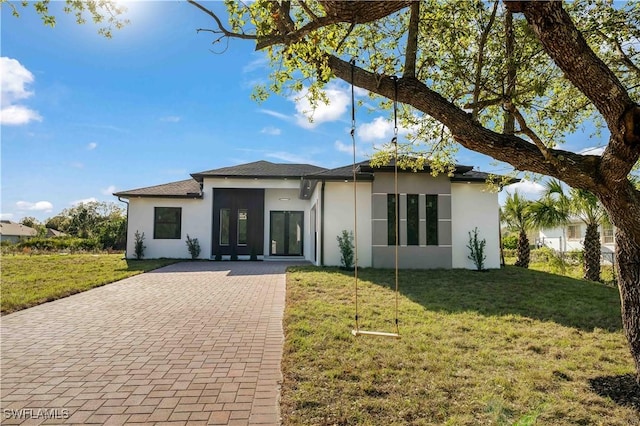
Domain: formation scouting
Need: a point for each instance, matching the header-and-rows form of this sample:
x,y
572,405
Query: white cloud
x,y
109,190
45,206
258,63
592,150
84,201
91,146
530,190
343,147
171,119
288,157
6,216
276,114
16,115
338,101
270,130
380,130
14,79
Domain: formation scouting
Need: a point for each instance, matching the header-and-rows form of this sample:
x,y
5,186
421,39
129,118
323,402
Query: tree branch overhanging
x,y
221,29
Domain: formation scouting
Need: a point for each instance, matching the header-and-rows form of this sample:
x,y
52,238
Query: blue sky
x,y
84,116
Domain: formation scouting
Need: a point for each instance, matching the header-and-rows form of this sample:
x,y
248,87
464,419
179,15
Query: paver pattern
x,y
191,343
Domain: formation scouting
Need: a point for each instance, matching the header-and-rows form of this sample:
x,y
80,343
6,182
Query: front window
x,y
432,220
167,223
413,220
607,234
573,232
224,226
392,211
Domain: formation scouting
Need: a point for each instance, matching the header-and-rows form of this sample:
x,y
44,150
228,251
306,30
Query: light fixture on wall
x,y
284,199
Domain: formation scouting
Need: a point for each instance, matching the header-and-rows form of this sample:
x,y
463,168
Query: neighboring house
x,y
296,211
51,233
14,232
571,237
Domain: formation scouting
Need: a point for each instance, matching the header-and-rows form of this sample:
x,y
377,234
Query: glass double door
x,y
287,230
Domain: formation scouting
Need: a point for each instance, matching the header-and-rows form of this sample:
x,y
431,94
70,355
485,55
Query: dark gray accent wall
x,y
411,257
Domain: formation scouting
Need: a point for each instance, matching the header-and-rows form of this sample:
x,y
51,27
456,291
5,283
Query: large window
x,y
167,223
432,220
224,226
242,227
413,220
392,211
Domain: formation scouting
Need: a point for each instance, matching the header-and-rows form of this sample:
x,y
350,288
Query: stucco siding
x,y
338,211
474,205
195,221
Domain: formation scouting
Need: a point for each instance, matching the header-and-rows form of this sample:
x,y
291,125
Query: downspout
x,y
322,223
126,234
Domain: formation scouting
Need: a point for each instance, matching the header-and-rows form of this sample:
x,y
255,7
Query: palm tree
x,y
553,209
517,216
586,206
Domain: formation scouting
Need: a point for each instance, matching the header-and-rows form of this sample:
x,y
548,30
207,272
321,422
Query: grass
x,y
504,347
31,280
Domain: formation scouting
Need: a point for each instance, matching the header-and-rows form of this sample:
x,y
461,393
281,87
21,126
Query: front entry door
x,y
287,230
238,221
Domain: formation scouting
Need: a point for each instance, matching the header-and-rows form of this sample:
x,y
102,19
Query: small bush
x,y
194,247
254,254
510,242
218,256
234,255
345,243
543,254
139,245
476,247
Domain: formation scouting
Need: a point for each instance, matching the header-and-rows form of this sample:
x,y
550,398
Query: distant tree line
x,y
103,225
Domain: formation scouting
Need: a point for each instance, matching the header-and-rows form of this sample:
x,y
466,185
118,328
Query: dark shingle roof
x,y
261,169
182,189
340,173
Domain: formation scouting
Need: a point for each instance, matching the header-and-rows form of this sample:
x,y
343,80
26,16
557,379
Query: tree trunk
x,y
524,251
592,253
628,260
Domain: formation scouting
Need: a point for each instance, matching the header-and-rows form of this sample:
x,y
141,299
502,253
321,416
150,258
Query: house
x,y
53,233
296,211
571,237
15,232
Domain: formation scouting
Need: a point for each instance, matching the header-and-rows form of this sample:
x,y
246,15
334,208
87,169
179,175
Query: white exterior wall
x,y
287,200
338,215
473,204
196,221
556,238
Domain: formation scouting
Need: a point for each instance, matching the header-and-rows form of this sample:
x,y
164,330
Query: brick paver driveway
x,y
191,343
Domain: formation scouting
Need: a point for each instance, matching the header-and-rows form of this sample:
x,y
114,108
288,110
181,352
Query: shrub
x,y
254,254
510,242
218,256
71,244
234,255
139,246
543,255
345,243
476,247
194,247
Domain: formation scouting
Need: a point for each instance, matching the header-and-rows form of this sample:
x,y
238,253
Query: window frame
x,y
413,219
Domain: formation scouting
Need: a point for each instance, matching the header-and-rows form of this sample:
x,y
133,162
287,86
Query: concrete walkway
x,y
191,343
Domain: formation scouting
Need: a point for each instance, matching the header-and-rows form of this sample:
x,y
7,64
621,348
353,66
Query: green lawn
x,y
504,347
31,280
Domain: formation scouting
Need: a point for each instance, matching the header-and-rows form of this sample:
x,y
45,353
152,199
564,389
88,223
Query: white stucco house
x,y
571,237
296,211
